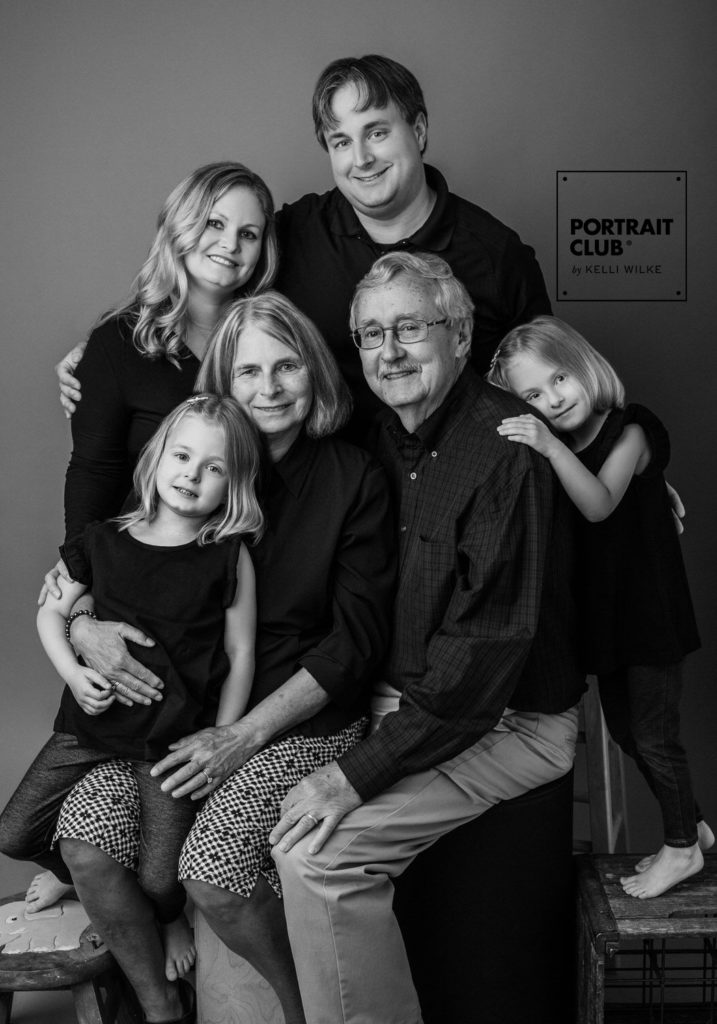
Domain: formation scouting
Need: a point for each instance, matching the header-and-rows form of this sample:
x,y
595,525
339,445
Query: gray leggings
x,y
27,825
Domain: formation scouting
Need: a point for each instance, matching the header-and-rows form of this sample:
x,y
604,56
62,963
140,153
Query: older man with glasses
x,y
478,700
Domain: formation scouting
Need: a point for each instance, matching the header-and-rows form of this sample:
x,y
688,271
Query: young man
x,y
370,116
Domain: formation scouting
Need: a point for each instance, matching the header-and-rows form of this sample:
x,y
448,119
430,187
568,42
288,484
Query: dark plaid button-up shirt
x,y
483,617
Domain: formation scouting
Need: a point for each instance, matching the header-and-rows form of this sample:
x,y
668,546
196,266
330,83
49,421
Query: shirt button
x,y
403,529
434,454
412,476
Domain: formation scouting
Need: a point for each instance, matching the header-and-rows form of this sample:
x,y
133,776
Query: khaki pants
x,y
347,946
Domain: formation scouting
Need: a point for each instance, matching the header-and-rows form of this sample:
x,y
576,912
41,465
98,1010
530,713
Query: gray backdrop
x,y
108,104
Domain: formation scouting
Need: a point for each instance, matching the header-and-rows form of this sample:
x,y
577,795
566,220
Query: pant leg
x,y
654,693
165,823
348,949
27,823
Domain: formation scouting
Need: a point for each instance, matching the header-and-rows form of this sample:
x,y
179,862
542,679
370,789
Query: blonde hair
x,y
560,344
280,319
157,308
240,512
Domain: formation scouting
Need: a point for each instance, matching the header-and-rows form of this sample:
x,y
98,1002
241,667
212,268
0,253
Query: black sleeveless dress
x,y
636,605
176,595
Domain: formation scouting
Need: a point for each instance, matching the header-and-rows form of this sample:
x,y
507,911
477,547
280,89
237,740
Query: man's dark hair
x,y
378,80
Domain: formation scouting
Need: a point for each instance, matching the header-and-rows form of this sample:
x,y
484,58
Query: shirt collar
x,y
434,234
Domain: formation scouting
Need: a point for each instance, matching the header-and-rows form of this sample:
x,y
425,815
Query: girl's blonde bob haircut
x,y
157,308
281,320
560,344
240,513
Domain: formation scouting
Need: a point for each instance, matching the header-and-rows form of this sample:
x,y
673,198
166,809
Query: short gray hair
x,y
450,296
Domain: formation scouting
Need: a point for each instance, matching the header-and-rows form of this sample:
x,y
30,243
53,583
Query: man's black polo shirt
x,y
325,251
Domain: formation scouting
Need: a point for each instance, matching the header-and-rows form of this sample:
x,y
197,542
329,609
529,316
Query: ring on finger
x,y
207,776
312,818
113,685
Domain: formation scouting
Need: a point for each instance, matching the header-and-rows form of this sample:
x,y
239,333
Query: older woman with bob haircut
x,y
324,576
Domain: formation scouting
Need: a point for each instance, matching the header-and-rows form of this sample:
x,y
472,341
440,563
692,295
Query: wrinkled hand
x,y
102,645
70,387
50,585
321,799
678,509
208,754
92,691
528,429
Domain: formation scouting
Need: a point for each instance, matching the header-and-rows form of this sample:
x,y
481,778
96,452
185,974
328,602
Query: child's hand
x,y
528,429
92,691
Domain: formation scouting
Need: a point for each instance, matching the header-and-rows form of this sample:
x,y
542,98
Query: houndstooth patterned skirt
x,y
228,845
103,810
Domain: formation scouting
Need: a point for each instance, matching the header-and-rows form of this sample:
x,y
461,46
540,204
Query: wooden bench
x,y
610,922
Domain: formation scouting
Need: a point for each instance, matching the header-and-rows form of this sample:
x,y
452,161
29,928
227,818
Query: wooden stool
x,y
608,920
89,970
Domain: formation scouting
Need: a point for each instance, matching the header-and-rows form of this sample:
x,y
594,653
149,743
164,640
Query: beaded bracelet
x,y
71,618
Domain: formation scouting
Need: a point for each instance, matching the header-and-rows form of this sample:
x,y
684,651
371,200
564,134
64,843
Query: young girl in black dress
x,y
176,568
638,621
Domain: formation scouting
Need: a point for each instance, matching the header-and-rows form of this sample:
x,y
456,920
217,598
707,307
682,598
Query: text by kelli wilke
x,y
616,268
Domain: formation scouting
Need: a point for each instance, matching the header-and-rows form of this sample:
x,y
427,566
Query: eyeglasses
x,y
406,331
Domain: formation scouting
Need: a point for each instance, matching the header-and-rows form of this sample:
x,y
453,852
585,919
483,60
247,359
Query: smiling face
x,y
271,383
375,155
229,248
412,379
192,473
559,395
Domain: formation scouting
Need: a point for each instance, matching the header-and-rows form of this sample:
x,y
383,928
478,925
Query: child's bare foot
x,y
44,891
672,864
705,841
705,836
179,949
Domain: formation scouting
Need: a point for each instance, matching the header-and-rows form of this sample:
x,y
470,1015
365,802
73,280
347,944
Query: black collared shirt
x,y
325,571
325,251
484,616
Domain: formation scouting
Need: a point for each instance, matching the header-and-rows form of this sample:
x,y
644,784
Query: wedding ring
x,y
207,776
315,820
113,685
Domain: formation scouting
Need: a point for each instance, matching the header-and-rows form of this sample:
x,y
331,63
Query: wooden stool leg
x,y
88,1003
5,1007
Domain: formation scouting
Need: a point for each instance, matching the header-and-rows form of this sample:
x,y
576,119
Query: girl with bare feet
x,y
176,567
638,621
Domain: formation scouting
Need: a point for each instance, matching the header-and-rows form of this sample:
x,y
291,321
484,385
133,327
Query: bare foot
x,y
179,948
705,841
44,891
705,836
672,864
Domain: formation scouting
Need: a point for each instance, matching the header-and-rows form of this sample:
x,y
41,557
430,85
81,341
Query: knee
x,y
12,843
296,868
86,862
